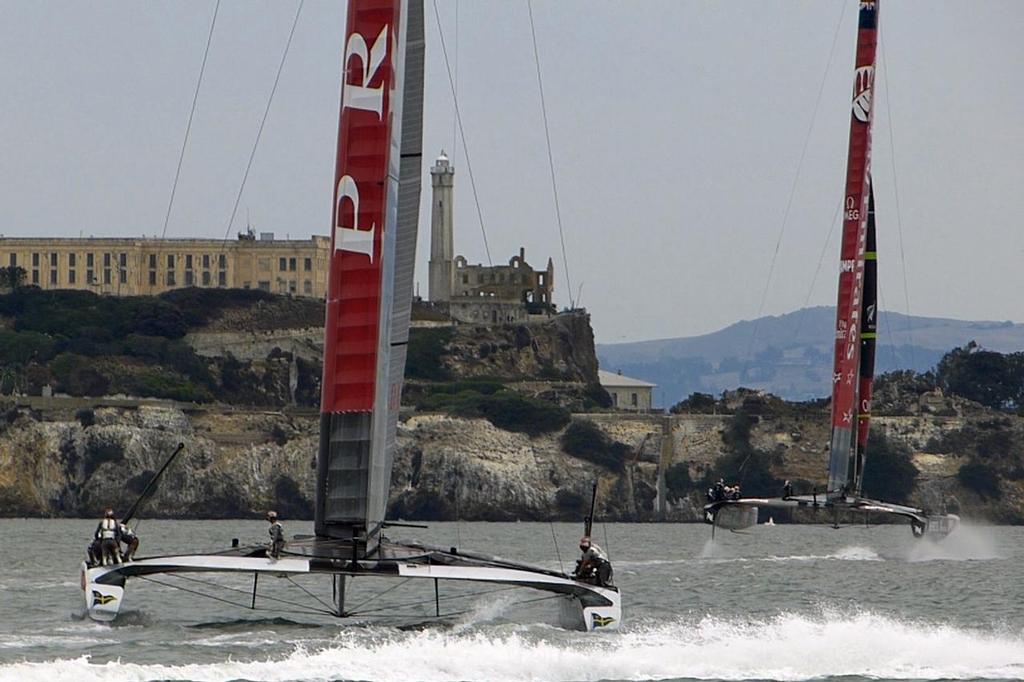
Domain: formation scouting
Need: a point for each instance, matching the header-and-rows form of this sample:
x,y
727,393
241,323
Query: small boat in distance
x,y
855,335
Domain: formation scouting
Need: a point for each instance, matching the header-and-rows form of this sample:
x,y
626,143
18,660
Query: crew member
x,y
593,566
130,539
107,534
276,532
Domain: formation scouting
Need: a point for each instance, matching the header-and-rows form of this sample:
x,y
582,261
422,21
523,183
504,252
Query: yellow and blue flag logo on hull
x,y
100,599
602,621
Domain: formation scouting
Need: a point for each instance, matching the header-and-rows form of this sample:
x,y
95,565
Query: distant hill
x,y
791,355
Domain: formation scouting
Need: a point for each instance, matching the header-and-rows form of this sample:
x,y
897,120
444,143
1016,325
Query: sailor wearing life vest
x,y
276,532
107,534
593,566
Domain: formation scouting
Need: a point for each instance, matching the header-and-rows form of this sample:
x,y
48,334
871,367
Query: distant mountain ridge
x,y
791,355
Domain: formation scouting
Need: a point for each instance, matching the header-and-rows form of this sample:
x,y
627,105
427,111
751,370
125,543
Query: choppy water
x,y
779,603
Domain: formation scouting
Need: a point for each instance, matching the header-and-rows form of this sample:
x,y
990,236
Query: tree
x,y
12,276
889,472
992,379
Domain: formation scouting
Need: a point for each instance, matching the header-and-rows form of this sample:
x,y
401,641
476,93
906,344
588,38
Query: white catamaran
x,y
376,207
855,334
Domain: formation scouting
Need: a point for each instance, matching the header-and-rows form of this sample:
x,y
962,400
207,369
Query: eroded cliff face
x,y
239,464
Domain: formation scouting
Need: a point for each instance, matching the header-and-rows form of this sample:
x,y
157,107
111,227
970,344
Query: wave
x,y
712,554
786,647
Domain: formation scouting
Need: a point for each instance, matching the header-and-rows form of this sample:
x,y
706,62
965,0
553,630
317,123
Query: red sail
x,y
360,199
846,367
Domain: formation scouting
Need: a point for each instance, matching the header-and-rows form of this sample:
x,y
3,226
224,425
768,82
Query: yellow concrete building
x,y
133,267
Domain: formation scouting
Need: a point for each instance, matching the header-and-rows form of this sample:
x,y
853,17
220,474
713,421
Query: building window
x,y
89,276
71,276
188,278
170,261
35,260
292,264
123,260
264,286
106,275
615,399
152,278
540,279
53,260
282,264
632,399
188,262
307,288
72,260
206,279
246,285
222,279
480,278
264,264
222,262
14,260
307,264
124,276
170,277
152,261
53,276
291,287
35,277
89,260
106,260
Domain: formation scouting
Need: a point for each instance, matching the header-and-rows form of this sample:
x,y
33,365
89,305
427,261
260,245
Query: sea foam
x,y
786,647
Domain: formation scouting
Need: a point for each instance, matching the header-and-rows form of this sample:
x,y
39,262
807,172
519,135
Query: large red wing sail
x,y
846,366
361,186
376,195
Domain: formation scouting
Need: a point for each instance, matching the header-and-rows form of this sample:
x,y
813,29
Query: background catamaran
x,y
376,207
856,332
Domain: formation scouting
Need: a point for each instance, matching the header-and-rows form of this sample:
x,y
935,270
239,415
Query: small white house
x,y
627,393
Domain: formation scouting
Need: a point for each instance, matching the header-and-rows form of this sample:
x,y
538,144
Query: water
x,y
777,603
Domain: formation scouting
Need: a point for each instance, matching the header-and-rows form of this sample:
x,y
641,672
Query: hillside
x,y
792,353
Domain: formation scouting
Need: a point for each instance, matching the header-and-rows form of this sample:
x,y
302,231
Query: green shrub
x,y
427,347
595,395
583,439
980,478
515,412
678,481
20,348
696,403
889,472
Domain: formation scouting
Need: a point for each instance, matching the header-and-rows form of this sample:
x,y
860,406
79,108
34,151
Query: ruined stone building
x,y
479,293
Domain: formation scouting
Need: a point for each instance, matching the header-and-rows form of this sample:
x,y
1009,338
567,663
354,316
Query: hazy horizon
x,y
676,128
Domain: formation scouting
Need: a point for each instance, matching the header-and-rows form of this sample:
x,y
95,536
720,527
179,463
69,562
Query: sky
x,y
698,170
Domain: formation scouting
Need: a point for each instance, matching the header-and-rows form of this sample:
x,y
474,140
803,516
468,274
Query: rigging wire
x,y
462,133
792,191
299,608
191,114
378,595
555,541
817,270
896,192
551,159
266,112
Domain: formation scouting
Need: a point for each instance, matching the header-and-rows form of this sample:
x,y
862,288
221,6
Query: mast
x,y
868,336
846,368
369,292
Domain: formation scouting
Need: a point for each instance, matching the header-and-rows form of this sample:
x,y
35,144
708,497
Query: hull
x,y
583,606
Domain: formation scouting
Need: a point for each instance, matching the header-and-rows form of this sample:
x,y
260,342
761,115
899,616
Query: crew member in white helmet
x,y
107,534
593,566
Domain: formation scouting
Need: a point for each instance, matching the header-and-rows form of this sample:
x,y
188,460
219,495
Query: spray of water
x,y
966,543
786,647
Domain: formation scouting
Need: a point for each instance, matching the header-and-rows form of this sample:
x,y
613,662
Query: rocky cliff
x,y
56,462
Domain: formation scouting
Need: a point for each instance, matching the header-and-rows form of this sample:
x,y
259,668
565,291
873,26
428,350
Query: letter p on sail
x,y
352,238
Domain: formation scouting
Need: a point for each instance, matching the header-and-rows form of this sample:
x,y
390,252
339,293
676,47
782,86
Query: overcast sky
x,y
677,129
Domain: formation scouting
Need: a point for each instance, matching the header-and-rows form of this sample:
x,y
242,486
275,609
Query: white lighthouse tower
x,y
442,249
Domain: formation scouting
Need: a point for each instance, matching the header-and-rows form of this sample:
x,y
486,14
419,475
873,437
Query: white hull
x,y
584,606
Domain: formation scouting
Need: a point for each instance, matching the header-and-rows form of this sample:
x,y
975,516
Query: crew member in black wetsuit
x,y
593,566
